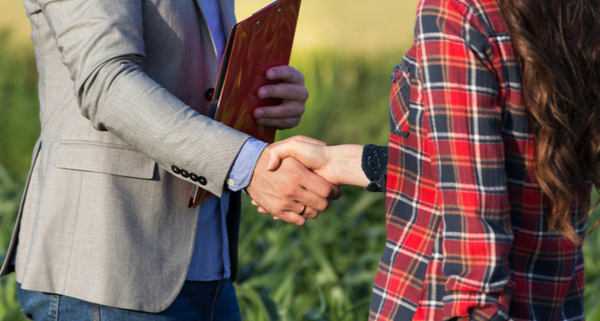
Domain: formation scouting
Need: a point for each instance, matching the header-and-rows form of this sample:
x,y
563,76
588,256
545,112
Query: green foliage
x,y
321,271
19,105
591,248
19,128
325,269
349,97
10,196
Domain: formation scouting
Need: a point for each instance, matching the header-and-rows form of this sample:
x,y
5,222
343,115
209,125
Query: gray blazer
x,y
104,216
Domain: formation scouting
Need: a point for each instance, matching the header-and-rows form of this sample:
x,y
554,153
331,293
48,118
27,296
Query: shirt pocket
x,y
400,101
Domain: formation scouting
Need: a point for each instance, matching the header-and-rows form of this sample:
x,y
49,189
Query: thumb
x,y
310,140
277,154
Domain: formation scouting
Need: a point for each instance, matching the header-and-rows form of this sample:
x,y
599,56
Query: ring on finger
x,y
302,211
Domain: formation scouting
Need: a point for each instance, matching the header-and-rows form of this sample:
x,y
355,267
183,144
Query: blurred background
x,y
325,269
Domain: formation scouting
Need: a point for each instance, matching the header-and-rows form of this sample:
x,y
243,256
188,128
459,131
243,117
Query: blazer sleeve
x,y
102,45
464,123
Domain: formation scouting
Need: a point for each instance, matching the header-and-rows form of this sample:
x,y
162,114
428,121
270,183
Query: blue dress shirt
x,y
210,260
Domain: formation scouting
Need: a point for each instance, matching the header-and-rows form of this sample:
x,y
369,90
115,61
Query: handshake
x,y
297,178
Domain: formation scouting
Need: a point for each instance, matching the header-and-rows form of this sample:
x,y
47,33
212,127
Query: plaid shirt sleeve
x,y
462,124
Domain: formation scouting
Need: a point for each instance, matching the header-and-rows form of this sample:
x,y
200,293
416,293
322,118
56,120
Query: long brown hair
x,y
558,42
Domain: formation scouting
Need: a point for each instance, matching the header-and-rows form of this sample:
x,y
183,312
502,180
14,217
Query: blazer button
x,y
176,169
194,177
202,180
208,94
185,173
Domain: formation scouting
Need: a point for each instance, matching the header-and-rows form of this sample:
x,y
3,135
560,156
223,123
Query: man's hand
x,y
293,93
284,192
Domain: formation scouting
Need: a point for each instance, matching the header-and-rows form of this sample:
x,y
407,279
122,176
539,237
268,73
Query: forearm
x,y
135,108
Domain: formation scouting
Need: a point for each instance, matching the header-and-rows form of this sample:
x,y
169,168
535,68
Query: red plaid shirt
x,y
467,237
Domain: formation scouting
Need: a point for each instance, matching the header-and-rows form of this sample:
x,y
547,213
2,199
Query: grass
x,y
19,105
321,271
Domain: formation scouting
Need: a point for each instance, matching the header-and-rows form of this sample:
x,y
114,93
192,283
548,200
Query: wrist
x,y
346,162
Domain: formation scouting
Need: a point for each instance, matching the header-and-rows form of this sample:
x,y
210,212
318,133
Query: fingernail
x,y
262,93
258,113
270,74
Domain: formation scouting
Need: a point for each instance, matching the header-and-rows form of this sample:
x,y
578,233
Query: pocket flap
x,y
400,101
119,160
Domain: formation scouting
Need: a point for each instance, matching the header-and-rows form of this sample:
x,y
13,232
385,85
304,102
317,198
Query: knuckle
x,y
324,191
304,94
288,191
311,214
288,73
297,177
322,206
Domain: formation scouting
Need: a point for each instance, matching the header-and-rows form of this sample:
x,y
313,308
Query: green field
x,y
325,269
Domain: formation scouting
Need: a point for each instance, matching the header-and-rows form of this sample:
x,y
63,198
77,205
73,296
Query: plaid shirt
x,y
467,236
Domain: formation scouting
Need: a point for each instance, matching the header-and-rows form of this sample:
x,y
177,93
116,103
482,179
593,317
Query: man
x,y
104,227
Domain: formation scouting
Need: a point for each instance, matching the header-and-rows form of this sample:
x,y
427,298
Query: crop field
x,y
325,269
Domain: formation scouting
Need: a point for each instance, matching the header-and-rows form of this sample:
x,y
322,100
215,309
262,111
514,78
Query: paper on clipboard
x,y
255,44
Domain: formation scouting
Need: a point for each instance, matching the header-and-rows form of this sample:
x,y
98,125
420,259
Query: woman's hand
x,y
313,153
340,165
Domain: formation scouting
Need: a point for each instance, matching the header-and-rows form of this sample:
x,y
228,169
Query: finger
x,y
316,191
301,138
310,213
253,202
311,140
284,91
286,73
292,217
285,123
279,152
285,110
321,188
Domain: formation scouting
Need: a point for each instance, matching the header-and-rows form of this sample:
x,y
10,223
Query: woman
x,y
493,152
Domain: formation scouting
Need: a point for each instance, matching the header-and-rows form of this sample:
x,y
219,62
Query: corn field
x,y
321,271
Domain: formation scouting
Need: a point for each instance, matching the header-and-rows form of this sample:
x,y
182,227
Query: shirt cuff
x,y
242,169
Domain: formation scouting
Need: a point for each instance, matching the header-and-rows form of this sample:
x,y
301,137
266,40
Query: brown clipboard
x,y
262,41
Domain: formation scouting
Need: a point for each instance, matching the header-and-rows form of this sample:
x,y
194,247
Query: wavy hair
x,y
558,43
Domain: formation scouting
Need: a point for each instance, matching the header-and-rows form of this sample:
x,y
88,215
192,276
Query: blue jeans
x,y
201,301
